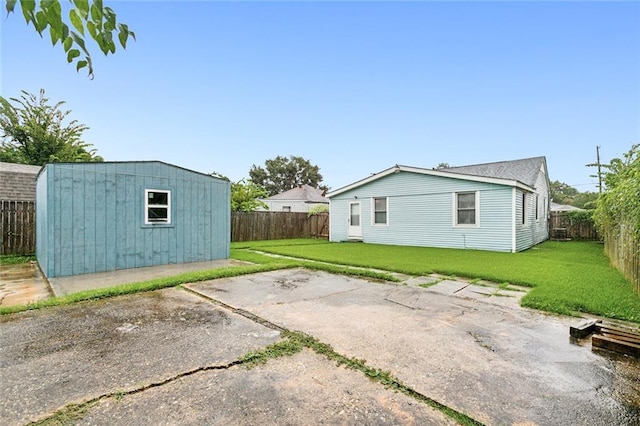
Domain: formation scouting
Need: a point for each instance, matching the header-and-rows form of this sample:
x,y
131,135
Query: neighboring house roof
x,y
18,181
518,173
305,193
19,168
554,207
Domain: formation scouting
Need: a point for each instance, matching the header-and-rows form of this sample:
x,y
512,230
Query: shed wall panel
x,y
94,217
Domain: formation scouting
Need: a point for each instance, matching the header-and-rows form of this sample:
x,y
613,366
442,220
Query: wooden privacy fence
x,y
563,226
623,250
278,225
17,227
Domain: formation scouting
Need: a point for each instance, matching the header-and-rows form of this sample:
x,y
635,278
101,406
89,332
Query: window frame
x,y
476,209
374,211
148,206
524,209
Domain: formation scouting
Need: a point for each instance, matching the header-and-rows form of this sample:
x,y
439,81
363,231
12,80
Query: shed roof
x,y
301,193
98,164
518,173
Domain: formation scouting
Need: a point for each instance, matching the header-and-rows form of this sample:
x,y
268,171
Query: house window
x,y
537,208
286,208
524,208
466,209
157,206
380,211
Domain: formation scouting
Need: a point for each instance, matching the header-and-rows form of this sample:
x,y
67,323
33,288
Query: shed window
x,y
466,208
286,208
380,211
157,206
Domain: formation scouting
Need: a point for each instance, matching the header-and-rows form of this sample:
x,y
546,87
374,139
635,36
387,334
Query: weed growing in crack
x,y
69,414
381,376
287,347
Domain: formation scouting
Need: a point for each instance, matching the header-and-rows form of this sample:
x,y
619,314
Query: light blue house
x,y
499,206
99,217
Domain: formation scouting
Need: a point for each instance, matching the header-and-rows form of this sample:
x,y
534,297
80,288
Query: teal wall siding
x,y
421,209
93,217
42,229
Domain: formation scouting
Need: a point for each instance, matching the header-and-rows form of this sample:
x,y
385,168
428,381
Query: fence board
x,y
623,250
17,227
278,225
562,226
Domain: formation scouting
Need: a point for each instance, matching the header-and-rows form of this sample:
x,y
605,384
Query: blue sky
x,y
355,87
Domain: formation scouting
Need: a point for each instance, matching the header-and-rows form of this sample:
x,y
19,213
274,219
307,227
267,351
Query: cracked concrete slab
x,y
498,364
449,286
305,389
52,357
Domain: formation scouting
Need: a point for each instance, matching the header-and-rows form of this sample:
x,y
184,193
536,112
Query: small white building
x,y
299,199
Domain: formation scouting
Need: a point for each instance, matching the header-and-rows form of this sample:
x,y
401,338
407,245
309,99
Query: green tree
x,y
585,200
281,174
245,195
84,16
34,132
562,193
620,201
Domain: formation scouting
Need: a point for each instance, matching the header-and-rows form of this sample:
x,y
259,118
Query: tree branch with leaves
x,y
34,132
85,17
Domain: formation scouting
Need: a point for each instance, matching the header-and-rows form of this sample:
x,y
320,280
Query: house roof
x,y
518,173
525,170
554,207
301,193
19,168
18,181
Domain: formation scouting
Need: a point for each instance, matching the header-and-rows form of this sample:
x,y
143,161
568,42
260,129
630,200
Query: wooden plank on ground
x,y
609,343
620,335
584,329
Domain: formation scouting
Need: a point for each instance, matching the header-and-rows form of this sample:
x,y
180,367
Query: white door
x,y
355,227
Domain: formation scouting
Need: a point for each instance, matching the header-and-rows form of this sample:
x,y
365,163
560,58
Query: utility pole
x,y
599,166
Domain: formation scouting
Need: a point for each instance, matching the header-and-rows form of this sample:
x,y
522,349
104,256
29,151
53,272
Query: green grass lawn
x,y
566,277
15,259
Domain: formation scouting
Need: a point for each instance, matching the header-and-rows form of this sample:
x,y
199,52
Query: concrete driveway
x,y
168,357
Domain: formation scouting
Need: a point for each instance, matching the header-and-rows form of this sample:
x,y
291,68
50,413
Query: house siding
x,y
420,213
533,231
90,217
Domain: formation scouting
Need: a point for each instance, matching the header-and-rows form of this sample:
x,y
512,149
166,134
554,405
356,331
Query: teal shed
x,y
100,217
